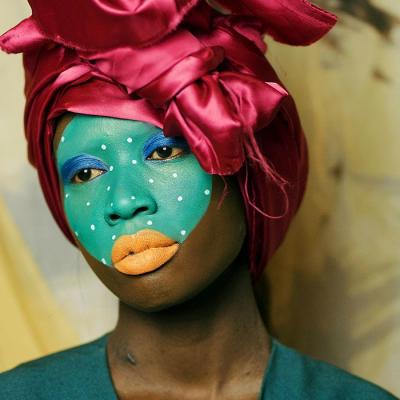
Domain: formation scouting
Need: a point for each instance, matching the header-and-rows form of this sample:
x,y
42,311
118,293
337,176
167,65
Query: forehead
x,y
98,127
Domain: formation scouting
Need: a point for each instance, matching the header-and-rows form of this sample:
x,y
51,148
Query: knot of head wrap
x,y
188,85
187,69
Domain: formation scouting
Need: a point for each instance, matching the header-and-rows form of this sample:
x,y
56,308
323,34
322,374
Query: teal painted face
x,y
123,177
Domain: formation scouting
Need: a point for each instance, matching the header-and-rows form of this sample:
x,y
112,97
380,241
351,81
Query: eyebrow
x,y
160,140
83,161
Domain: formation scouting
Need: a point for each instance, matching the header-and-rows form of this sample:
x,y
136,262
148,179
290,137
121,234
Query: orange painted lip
x,y
142,252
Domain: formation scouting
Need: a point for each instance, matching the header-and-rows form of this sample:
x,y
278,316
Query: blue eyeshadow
x,y
84,161
160,140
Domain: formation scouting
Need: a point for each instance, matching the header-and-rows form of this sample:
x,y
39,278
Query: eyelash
x,y
160,141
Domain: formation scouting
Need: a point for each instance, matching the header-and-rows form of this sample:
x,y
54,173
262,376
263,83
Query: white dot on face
x,y
88,203
180,198
103,260
207,192
134,162
175,175
92,227
66,195
183,232
111,168
133,198
113,237
151,180
112,204
62,139
108,188
149,222
103,147
76,234
129,140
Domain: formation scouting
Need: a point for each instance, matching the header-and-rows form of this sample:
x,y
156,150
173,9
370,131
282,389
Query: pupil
x,y
84,175
164,152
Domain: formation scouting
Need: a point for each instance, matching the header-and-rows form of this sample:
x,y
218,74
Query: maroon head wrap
x,y
186,68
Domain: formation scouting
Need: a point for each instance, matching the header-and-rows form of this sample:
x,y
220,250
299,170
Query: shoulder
x,y
292,375
66,374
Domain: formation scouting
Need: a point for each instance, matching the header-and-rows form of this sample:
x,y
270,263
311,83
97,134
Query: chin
x,y
173,284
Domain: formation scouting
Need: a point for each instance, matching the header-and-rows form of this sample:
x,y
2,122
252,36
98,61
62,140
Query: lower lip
x,y
146,261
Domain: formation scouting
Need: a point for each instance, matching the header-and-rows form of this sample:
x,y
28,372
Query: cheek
x,y
84,207
183,192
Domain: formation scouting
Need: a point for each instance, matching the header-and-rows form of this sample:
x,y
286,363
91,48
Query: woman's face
x,y
143,211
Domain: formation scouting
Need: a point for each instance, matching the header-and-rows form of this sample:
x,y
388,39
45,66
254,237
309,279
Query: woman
x,y
171,155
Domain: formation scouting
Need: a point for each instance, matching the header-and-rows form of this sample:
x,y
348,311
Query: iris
x,y
164,152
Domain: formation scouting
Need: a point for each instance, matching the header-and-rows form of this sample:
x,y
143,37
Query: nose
x,y
127,206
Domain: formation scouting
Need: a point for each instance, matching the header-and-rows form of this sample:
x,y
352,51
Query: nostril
x,y
114,217
140,210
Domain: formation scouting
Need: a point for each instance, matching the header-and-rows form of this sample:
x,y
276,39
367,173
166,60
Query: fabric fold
x,y
101,24
26,36
294,22
239,105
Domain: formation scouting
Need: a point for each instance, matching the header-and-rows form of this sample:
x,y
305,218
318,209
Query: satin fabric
x,y
102,24
207,80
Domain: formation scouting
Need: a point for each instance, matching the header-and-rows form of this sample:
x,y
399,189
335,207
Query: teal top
x,y
81,373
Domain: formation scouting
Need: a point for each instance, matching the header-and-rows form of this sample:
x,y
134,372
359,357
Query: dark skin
x,y
191,329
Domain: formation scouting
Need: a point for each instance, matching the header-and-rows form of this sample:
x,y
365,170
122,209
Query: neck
x,y
215,338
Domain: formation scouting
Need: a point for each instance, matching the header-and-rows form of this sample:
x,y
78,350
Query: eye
x,y
162,148
165,153
86,175
82,168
